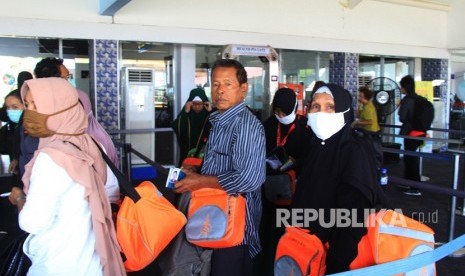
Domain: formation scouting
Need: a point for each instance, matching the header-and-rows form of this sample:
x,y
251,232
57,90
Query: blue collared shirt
x,y
235,153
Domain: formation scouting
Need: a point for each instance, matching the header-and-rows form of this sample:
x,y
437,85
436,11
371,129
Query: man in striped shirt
x,y
234,161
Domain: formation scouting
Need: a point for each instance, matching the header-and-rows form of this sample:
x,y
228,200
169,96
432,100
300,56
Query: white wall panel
x,y
456,25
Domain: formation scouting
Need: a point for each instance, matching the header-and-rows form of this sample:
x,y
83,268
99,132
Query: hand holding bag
x,y
216,219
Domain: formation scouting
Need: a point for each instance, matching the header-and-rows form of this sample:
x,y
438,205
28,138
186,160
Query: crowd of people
x,y
66,187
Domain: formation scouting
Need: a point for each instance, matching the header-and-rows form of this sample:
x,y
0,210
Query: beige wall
x,y
372,27
456,25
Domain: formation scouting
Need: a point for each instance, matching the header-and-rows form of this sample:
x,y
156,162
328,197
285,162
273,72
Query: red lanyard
x,y
280,143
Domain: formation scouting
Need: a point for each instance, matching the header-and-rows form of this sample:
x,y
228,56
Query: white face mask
x,y
286,119
325,125
289,118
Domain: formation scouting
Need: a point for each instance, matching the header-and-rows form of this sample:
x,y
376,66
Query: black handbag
x,y
6,139
278,188
13,261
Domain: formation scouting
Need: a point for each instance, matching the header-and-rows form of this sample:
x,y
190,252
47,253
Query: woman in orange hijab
x,y
67,212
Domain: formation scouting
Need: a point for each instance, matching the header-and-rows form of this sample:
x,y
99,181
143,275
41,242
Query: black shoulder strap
x,y
122,181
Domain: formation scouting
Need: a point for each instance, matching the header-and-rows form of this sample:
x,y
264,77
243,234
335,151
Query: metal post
x,y
127,151
454,199
60,48
462,212
317,66
422,177
421,164
381,66
461,252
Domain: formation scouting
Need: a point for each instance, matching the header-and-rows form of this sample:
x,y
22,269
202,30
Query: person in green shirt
x,y
367,117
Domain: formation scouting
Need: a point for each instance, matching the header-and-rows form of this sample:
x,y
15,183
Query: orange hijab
x,y
79,156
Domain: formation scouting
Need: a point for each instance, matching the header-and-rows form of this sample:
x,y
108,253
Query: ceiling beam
x,y
349,4
426,4
110,7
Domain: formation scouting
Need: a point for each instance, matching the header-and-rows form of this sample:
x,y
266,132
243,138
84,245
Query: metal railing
x,y
453,156
127,150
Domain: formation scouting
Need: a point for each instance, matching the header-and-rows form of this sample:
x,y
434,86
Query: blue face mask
x,y
14,114
72,81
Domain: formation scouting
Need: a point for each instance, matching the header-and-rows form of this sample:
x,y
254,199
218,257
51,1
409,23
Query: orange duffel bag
x,y
145,227
215,219
299,253
392,236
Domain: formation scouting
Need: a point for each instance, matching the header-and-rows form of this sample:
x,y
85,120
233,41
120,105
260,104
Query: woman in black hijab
x,y
285,128
289,131
339,173
191,123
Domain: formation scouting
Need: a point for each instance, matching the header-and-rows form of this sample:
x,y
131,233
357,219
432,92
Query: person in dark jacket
x,y
14,108
339,173
406,110
289,131
285,128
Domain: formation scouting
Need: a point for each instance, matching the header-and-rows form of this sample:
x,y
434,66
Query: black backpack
x,y
423,114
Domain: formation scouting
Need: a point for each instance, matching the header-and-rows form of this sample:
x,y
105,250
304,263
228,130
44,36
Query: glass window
x,y
303,67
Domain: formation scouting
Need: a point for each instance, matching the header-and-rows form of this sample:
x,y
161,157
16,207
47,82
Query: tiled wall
x,y
437,69
343,70
337,68
104,70
351,72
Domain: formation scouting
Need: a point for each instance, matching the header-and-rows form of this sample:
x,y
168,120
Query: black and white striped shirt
x,y
235,153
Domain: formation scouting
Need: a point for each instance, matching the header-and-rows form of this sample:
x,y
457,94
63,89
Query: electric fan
x,y
386,96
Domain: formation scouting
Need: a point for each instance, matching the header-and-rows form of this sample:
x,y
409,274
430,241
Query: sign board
x,y
425,89
246,50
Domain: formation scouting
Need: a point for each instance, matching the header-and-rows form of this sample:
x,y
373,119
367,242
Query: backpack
x,y
300,252
423,114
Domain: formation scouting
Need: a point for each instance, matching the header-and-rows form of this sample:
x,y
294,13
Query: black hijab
x,y
285,99
298,141
189,127
198,92
329,167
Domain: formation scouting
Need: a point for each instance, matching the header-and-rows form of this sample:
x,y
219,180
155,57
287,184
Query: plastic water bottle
x,y
384,178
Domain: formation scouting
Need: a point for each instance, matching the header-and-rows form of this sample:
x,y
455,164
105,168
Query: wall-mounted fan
x,y
386,96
